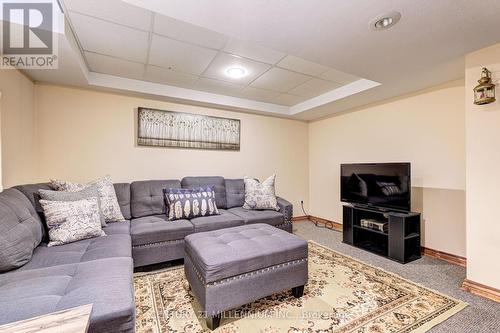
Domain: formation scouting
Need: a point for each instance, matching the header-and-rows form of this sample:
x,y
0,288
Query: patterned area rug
x,y
343,295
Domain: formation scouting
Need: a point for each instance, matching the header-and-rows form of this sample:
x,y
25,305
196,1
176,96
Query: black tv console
x,y
399,242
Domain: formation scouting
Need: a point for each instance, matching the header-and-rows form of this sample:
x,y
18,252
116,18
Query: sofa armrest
x,y
286,208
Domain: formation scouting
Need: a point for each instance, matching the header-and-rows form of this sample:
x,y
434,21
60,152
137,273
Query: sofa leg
x,y
297,292
213,321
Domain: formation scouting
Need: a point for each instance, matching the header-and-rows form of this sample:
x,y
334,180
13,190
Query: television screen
x,y
385,185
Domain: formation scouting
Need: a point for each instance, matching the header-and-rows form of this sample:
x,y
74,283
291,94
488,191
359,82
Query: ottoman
x,y
231,267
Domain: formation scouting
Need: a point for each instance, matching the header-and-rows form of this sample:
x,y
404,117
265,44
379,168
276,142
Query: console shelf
x,y
401,242
371,230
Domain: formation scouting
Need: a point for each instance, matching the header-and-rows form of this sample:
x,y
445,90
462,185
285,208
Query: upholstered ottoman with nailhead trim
x,y
231,267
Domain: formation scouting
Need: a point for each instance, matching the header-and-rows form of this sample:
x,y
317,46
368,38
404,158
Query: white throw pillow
x,y
107,195
71,221
260,196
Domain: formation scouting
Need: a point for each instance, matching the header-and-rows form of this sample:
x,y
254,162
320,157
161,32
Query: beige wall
x,y
18,128
426,129
84,134
483,166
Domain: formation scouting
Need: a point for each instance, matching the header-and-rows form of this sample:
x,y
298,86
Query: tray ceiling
x,y
131,42
303,59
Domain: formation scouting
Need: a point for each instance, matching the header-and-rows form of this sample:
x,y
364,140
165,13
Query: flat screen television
x,y
385,185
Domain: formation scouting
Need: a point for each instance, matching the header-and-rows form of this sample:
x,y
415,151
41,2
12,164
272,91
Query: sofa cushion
x,y
111,246
218,183
106,284
146,197
122,191
20,229
31,192
258,216
120,228
229,252
224,220
235,193
154,229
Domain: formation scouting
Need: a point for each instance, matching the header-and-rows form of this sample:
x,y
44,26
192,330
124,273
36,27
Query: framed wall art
x,y
160,128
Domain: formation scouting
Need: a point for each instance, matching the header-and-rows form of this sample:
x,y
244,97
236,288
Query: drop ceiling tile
x,y
313,88
253,51
113,66
258,94
338,76
170,77
116,11
187,32
110,39
179,56
278,79
302,66
219,87
288,100
223,61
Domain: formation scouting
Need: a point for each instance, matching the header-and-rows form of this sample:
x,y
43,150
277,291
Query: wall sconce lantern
x,y
484,93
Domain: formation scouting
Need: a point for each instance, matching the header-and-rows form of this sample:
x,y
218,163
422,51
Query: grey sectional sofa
x,y
99,270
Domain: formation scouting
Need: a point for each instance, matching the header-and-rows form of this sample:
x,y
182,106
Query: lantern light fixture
x,y
484,92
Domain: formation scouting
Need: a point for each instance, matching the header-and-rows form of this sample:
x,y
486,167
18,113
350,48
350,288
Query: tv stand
x,y
401,240
370,207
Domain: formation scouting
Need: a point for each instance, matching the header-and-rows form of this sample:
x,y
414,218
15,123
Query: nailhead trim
x,y
181,240
241,276
158,243
283,224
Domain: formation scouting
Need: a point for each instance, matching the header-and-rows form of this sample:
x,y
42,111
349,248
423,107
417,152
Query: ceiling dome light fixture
x,y
236,72
386,21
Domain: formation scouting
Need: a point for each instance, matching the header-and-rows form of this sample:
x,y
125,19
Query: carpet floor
x,y
482,315
160,289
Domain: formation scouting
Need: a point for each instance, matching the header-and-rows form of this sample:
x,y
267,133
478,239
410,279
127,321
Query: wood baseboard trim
x,y
300,218
327,223
318,220
448,257
481,290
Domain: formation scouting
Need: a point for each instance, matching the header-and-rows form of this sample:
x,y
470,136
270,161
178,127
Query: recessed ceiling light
x,y
383,22
236,72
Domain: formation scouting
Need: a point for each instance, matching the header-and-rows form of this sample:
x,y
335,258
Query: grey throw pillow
x,y
20,230
260,196
190,203
86,193
71,221
109,202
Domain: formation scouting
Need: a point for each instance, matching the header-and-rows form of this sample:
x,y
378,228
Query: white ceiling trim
x,y
334,95
150,88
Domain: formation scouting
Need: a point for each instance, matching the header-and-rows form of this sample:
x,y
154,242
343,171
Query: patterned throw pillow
x,y
260,196
71,221
107,195
86,193
190,203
